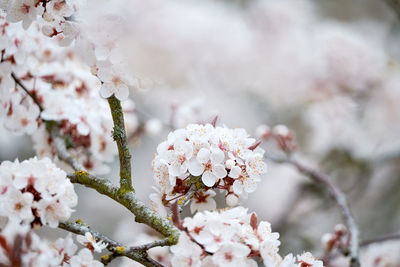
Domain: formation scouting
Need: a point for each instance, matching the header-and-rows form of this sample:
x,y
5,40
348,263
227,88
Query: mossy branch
x,y
143,214
117,249
119,136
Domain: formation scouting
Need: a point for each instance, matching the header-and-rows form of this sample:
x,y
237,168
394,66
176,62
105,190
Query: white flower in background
x,y
115,81
20,115
89,241
65,247
203,201
186,253
288,261
157,205
51,211
38,191
25,10
6,82
68,92
56,10
233,254
84,259
33,250
381,254
17,206
309,260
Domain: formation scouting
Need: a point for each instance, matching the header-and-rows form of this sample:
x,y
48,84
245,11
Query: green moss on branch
x,y
119,136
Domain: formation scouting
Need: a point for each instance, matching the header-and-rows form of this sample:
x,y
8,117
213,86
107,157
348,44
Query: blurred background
x,y
328,70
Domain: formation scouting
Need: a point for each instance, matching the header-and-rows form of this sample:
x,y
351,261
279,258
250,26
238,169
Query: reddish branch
x,y
339,198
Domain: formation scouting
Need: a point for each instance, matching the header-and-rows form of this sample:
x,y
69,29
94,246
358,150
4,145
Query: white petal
x,y
209,178
219,171
83,129
106,90
105,74
237,187
174,169
196,168
217,156
235,171
101,52
122,91
204,155
250,186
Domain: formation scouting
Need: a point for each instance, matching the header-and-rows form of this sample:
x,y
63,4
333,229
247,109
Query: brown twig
x,y
117,249
379,239
32,96
339,198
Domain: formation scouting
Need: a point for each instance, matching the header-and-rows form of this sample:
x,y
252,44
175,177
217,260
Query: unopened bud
x,y
328,240
232,200
281,130
263,131
340,229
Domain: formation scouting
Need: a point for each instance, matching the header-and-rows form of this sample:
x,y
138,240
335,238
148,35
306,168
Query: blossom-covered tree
x,y
66,82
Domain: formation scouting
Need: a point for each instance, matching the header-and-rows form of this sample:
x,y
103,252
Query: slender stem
x,y
62,153
379,239
32,96
120,138
395,5
117,249
339,198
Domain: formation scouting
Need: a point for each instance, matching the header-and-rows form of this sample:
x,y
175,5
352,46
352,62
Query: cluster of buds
x,y
338,240
281,134
35,192
198,159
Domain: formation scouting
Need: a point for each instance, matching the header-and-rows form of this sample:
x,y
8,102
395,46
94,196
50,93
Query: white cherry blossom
x,y
186,253
84,258
207,157
115,81
38,191
90,242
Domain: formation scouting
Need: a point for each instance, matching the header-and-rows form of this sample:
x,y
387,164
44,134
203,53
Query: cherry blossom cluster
x,y
66,90
232,237
54,13
202,158
22,247
35,192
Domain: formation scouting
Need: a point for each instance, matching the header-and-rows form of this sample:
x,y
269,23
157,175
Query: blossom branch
x,y
124,194
395,5
32,96
117,249
61,149
379,239
339,198
119,135
143,214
